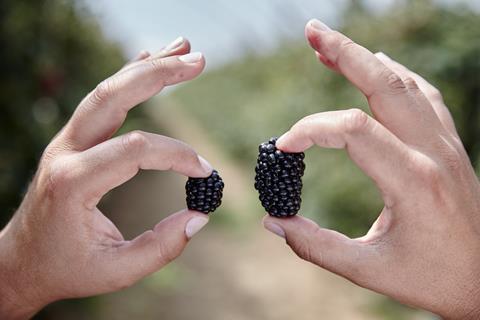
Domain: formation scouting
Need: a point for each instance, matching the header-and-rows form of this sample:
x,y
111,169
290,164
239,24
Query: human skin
x,y
58,244
424,248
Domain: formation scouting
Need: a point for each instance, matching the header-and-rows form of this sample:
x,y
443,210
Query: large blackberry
x,y
204,194
278,179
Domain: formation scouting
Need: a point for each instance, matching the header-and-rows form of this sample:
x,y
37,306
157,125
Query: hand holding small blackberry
x,y
278,179
204,194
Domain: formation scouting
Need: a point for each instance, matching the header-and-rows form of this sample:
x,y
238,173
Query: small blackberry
x,y
204,194
278,179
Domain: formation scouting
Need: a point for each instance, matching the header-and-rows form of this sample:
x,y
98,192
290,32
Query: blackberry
x,y
204,194
278,179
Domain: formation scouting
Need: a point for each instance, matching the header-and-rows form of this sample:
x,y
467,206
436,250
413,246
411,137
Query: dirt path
x,y
234,269
256,264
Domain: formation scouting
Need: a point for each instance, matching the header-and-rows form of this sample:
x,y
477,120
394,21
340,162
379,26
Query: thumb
x,y
155,248
328,249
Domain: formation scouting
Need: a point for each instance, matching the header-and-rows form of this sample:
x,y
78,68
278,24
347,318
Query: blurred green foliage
x,y
246,102
53,53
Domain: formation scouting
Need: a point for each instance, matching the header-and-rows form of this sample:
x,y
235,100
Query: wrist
x,y
17,293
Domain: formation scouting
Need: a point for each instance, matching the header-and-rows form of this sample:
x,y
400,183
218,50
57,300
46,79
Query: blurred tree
x,y
53,53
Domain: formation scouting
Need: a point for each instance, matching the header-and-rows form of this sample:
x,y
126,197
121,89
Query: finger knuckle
x,y
302,249
103,92
305,249
57,178
410,83
428,172
434,182
393,82
451,157
49,154
345,46
166,253
134,141
345,43
187,155
356,121
160,67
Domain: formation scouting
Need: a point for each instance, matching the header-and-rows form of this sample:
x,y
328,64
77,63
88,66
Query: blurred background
x,y
261,77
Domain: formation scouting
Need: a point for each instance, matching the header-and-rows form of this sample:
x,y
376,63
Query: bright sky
x,y
221,29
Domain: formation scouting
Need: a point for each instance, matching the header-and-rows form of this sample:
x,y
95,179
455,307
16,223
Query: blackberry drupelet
x,y
278,179
204,194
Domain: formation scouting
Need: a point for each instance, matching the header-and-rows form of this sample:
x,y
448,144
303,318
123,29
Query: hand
x,y
424,248
58,244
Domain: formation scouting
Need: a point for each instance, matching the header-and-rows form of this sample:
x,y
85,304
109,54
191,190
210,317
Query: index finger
x,y
113,162
370,145
104,110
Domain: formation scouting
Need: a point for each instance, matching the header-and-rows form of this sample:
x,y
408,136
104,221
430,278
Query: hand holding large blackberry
x,y
278,179
424,248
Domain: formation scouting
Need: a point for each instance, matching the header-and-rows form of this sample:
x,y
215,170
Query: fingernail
x,y
274,228
191,57
174,44
194,225
205,164
318,25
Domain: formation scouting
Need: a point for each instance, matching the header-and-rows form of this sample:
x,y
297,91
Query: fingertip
x,y
195,224
267,218
186,45
199,168
313,30
194,60
291,142
325,61
191,57
179,217
175,44
280,144
312,37
188,214
206,166
187,221
317,25
183,48
271,224
201,64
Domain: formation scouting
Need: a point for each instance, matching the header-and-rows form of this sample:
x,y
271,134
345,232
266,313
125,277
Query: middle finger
x,y
388,95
